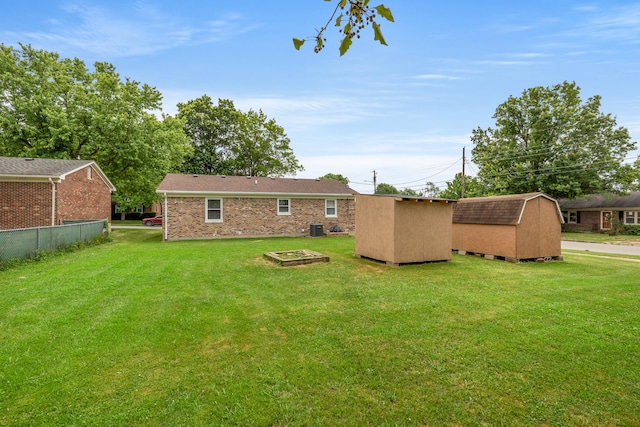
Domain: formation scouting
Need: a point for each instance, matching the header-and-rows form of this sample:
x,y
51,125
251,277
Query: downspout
x,y
165,217
53,202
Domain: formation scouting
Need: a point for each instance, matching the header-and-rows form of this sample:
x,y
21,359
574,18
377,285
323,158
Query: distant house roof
x,y
202,185
32,169
495,210
599,201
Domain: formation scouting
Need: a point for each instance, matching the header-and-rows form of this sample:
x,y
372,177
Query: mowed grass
x,y
138,332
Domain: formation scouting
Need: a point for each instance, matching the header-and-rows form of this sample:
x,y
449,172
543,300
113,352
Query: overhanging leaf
x,y
345,44
384,12
377,34
297,43
339,21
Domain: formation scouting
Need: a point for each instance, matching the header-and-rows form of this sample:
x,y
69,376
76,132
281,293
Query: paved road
x,y
601,247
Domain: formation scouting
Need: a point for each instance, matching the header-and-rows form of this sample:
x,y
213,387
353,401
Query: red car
x,y
150,222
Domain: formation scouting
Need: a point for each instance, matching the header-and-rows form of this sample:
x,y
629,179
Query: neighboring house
x,y
596,212
515,227
399,229
47,192
208,206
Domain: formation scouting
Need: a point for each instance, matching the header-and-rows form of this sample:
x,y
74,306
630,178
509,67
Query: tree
x,y
262,148
431,190
212,130
57,108
337,177
383,188
358,14
227,141
549,140
472,188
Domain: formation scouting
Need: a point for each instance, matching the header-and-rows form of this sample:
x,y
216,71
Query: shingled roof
x,y
185,184
494,210
599,201
33,169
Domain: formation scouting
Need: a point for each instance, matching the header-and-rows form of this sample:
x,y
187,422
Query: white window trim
x,y
635,216
288,207
575,216
335,207
206,210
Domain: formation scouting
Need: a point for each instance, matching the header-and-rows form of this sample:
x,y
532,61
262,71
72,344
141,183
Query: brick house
x,y
515,227
47,192
208,206
596,212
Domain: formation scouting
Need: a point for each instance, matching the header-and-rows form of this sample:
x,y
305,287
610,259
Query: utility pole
x,y
462,187
375,186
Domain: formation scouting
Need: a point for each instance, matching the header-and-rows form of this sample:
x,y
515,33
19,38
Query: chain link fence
x,y
26,242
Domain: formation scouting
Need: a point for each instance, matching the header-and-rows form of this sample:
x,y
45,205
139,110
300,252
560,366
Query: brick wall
x,y
25,205
246,217
589,221
80,196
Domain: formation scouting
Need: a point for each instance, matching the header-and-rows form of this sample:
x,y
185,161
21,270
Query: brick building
x,y
46,192
598,212
207,206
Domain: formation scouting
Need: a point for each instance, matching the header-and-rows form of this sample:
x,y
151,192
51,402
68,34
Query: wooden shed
x,y
517,227
399,229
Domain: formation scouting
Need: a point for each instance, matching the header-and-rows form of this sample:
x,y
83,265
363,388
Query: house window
x,y
138,209
89,173
570,217
213,210
331,208
284,207
632,217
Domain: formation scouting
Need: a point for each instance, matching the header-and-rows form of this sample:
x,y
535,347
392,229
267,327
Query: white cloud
x,y
139,29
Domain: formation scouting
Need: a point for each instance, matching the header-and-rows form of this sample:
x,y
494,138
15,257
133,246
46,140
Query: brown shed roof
x,y
494,210
186,184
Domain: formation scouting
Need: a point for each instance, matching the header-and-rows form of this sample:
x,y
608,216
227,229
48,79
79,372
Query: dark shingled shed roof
x,y
494,210
184,184
599,201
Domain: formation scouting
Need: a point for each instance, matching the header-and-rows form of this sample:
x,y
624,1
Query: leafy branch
x,y
358,14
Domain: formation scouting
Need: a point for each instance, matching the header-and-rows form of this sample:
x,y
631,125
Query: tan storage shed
x,y
399,229
517,227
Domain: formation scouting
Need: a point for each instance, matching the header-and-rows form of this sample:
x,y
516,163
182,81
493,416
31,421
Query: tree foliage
x,y
227,141
472,188
354,16
384,188
549,140
337,177
54,107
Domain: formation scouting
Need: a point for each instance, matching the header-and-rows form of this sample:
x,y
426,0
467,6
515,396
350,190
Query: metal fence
x,y
26,242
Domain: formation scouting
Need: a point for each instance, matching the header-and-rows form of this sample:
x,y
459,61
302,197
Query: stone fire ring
x,y
296,257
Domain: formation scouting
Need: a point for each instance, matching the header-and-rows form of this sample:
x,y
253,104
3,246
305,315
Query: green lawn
x,y
601,238
200,333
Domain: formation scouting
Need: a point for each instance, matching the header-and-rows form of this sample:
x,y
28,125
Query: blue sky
x,y
405,110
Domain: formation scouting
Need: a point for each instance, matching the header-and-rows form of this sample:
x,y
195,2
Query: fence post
x,y
38,240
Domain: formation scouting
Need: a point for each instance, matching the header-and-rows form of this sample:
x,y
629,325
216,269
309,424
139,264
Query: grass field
x,y
140,332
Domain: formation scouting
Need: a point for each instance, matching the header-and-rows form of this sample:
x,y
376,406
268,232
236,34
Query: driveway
x,y
601,247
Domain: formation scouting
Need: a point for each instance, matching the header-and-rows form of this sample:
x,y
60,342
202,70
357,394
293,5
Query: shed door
x,y
605,220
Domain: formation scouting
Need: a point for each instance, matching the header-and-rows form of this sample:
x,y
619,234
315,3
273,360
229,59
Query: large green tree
x,y
549,140
54,107
262,148
212,130
227,141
